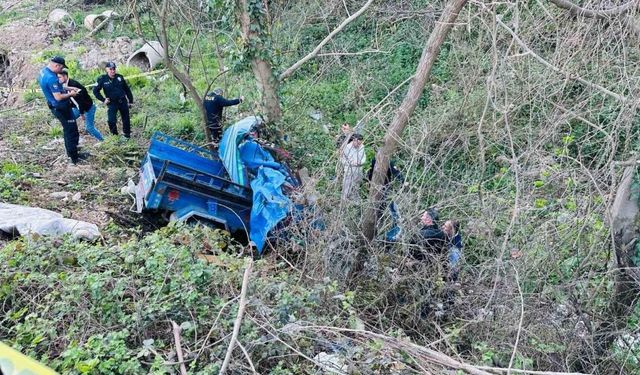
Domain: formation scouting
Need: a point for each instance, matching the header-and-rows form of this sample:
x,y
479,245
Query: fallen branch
x,y
176,338
248,357
590,13
605,14
531,372
236,325
326,40
430,355
351,53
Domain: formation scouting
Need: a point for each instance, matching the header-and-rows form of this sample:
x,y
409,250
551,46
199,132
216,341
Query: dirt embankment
x,y
24,41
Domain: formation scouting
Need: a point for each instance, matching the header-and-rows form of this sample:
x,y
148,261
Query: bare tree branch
x,y
350,53
558,70
326,40
604,13
176,338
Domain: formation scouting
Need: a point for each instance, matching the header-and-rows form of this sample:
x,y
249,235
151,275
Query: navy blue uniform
x,y
120,97
213,105
61,109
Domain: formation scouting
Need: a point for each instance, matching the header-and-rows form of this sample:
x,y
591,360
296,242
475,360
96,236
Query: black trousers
x,y
69,130
122,106
215,127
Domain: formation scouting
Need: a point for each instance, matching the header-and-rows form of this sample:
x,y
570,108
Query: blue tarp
x,y
229,152
270,205
253,156
239,152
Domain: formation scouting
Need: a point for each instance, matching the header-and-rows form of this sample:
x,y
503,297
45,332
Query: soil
x,y
27,135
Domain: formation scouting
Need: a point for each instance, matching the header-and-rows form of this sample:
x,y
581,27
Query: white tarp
x,y
27,220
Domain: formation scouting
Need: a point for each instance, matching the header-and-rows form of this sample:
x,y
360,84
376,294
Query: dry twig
x,y
236,325
176,338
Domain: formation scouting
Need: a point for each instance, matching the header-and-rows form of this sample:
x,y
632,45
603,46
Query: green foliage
x,y
14,180
116,151
94,309
55,131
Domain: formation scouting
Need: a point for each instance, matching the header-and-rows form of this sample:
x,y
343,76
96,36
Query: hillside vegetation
x,y
523,132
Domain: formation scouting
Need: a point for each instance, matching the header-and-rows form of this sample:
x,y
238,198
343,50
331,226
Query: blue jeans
x,y
89,124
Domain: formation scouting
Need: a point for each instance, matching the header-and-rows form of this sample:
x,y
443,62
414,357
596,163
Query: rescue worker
x,y
214,103
58,102
83,104
117,97
352,158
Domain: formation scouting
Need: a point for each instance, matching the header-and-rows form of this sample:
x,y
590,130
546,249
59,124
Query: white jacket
x,y
353,158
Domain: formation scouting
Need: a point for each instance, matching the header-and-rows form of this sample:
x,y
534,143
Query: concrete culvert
x,y
148,56
59,18
93,20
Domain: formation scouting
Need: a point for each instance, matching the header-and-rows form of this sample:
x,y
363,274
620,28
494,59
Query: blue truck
x,y
240,189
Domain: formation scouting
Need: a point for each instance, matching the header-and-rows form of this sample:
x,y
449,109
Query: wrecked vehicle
x,y
242,189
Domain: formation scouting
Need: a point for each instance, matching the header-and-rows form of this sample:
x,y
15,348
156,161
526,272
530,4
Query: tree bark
x,y
399,122
261,67
624,217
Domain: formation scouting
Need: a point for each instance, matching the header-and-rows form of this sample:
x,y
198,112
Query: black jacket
x,y
392,172
83,99
432,242
115,89
433,238
213,105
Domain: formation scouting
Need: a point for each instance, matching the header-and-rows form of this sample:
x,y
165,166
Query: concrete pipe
x,y
59,18
147,57
93,20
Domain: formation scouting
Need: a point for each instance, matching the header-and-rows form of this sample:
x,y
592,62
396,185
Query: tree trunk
x,y
624,218
261,67
399,122
180,76
268,87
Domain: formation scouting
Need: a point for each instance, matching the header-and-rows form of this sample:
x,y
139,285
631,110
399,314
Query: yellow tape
x,y
24,89
137,75
13,362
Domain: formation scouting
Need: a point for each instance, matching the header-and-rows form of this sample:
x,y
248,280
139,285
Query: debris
x,y
332,363
76,197
129,188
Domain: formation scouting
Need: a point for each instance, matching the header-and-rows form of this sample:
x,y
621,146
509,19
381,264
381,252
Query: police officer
x,y
214,103
117,97
60,105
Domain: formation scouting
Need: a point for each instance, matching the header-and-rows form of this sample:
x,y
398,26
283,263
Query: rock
x,y
60,195
316,115
76,197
